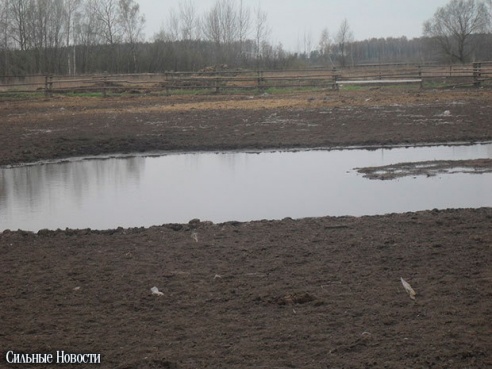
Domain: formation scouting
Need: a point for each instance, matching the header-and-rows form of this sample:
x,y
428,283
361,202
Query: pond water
x,y
175,188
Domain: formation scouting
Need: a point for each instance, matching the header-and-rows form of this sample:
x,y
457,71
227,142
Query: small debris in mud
x,y
194,235
427,168
408,288
155,291
295,298
445,113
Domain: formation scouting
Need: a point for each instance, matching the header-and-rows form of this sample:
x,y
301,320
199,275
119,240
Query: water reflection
x,y
55,195
144,191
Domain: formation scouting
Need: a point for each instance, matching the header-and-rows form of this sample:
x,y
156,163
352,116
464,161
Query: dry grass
x,y
65,106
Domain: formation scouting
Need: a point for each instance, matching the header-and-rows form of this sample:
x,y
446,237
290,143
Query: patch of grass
x,y
186,92
238,91
350,87
17,95
84,94
397,87
405,87
290,90
434,84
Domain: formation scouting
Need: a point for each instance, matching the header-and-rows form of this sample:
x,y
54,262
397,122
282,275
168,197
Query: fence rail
x,y
476,74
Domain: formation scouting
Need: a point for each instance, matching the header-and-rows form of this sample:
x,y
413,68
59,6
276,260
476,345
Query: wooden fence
x,y
476,74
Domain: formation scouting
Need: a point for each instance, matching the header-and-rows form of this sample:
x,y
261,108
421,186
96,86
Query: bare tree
x,y
228,21
219,27
4,36
262,31
55,35
244,25
324,41
70,7
343,38
211,24
173,26
325,45
189,21
18,14
4,19
190,30
106,14
132,24
452,27
87,34
39,26
308,42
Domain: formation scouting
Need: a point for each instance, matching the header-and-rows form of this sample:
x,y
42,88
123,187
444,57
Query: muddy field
x,y
64,127
310,293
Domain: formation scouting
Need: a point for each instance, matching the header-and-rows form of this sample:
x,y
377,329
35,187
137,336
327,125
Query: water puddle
x,y
175,188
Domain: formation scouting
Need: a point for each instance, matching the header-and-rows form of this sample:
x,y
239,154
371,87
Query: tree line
x,y
96,36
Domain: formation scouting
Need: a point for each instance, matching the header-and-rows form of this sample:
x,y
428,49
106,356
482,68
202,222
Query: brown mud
x,y
66,126
309,293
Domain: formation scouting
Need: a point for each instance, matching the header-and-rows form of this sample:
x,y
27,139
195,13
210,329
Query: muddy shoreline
x,y
308,293
70,127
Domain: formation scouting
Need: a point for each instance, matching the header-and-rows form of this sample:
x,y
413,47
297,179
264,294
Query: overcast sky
x,y
289,20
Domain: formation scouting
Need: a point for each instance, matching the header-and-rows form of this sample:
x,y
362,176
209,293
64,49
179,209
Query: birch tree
x,y
4,36
324,45
108,25
261,31
106,14
87,35
71,7
343,38
212,28
131,23
18,14
189,24
244,24
211,25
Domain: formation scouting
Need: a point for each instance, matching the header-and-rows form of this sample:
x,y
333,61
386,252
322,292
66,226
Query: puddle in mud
x,y
175,188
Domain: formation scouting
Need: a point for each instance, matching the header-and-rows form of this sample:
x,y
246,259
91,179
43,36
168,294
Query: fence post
x,y
335,79
259,79
104,85
477,73
166,74
48,86
420,77
217,84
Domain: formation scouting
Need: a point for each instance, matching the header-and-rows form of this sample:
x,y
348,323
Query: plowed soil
x,y
307,293
64,127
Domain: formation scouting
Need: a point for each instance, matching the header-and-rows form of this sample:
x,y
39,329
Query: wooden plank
x,y
378,81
